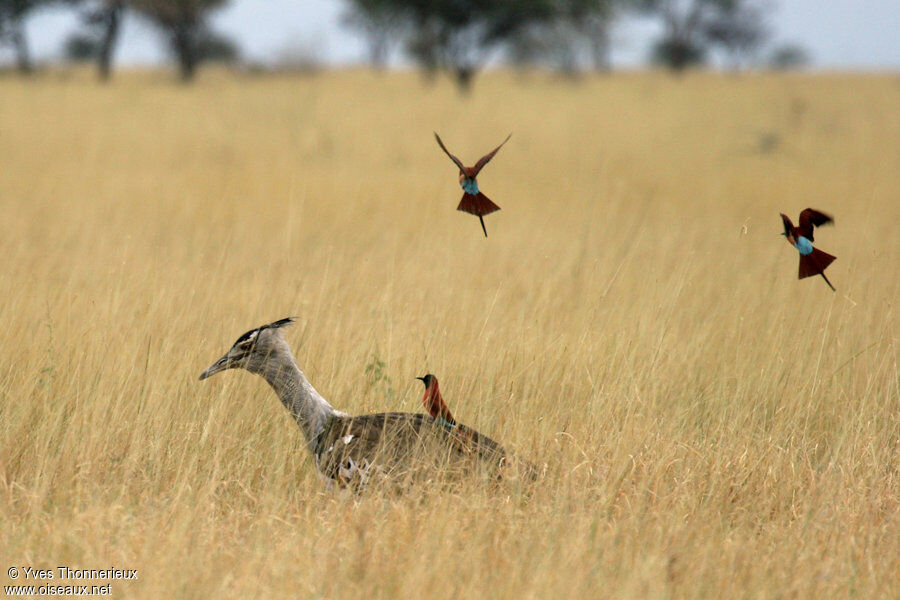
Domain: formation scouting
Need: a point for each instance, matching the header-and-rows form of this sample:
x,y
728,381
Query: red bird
x,y
473,201
812,260
434,403
473,440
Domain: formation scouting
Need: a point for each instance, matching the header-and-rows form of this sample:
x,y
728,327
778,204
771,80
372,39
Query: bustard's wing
x,y
809,219
351,451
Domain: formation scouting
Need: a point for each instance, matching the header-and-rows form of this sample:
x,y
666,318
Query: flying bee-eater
x,y
812,260
473,201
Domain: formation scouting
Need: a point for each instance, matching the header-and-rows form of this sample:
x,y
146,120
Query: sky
x,y
838,34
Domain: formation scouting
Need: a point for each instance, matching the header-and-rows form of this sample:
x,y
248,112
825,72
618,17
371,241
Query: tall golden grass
x,y
711,427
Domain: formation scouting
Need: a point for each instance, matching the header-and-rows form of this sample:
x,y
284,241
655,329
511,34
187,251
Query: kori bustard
x,y
350,450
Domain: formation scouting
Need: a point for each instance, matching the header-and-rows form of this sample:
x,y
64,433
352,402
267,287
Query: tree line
x,y
458,37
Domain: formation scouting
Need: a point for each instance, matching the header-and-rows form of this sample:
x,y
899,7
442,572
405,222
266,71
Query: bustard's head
x,y
253,350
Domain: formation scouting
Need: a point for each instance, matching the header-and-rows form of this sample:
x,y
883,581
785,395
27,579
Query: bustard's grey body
x,y
351,450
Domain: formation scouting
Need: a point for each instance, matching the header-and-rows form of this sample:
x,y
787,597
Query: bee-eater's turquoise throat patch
x,y
444,422
804,246
470,186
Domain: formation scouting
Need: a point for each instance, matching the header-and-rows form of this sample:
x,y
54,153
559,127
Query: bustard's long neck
x,y
308,407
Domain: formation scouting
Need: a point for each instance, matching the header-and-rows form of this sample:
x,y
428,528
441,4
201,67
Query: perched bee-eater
x,y
434,403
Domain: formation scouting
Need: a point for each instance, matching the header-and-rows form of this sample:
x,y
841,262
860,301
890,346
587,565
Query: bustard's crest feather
x,y
251,335
286,322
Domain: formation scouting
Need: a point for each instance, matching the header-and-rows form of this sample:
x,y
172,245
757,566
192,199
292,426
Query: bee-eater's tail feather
x,y
828,282
814,263
477,204
483,228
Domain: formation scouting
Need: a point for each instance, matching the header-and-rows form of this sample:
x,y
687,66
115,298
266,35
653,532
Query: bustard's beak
x,y
220,365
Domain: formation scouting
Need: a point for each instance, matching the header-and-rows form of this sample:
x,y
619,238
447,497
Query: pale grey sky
x,y
839,34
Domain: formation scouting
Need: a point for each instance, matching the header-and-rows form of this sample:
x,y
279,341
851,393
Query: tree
x,y
81,48
380,22
183,22
788,57
460,35
574,37
215,47
591,21
13,14
681,44
739,27
691,27
107,17
102,19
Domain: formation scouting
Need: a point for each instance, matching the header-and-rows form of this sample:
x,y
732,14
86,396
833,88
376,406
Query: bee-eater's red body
x,y
433,401
473,201
812,260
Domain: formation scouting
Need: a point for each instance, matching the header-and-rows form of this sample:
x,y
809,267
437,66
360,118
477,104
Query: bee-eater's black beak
x,y
422,379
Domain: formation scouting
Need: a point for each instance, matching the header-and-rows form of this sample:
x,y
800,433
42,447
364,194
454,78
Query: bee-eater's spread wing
x,y
810,218
788,226
487,157
447,152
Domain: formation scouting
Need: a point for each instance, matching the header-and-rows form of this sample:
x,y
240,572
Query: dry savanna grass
x,y
710,426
